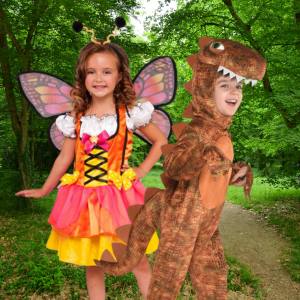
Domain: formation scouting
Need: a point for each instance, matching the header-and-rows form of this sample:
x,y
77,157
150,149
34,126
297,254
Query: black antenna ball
x,y
77,26
120,22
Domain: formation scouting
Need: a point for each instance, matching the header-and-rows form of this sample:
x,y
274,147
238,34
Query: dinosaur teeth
x,y
224,70
231,75
239,78
220,68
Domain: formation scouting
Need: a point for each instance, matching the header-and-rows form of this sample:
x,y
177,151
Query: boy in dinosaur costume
x,y
197,171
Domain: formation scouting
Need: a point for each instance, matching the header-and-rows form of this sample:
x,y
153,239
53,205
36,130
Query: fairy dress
x,y
96,205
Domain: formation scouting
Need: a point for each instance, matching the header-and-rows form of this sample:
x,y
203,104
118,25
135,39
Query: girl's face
x,y
102,75
228,95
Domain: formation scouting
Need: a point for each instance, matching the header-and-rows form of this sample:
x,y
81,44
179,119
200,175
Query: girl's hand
x,y
34,193
125,167
139,172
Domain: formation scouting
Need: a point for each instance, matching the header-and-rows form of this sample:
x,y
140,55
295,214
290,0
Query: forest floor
x,y
247,237
259,255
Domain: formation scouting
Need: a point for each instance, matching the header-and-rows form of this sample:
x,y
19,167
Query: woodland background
x,y
38,35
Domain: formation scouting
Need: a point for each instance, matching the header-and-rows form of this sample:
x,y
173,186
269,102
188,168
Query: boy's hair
x,y
124,92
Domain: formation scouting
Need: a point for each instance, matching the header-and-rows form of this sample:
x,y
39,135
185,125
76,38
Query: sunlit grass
x,y
153,179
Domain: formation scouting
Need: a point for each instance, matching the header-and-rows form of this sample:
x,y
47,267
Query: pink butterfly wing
x,y
156,82
56,136
162,120
49,95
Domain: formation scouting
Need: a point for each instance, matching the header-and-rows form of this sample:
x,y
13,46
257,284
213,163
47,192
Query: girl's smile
x,y
102,74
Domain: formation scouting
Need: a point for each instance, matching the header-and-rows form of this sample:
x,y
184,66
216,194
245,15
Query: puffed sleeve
x,y
139,115
65,123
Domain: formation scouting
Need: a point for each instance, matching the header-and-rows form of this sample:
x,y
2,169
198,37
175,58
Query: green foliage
x,y
265,130
153,178
270,146
7,190
241,279
139,151
43,30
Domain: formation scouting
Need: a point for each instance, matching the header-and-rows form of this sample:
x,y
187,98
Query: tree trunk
x,y
19,124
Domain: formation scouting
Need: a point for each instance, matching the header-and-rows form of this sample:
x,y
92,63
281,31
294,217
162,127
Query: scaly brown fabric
x,y
197,171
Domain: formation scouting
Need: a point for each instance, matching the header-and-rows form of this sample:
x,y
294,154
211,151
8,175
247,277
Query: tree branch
x,y
40,8
260,11
254,19
236,17
285,44
6,27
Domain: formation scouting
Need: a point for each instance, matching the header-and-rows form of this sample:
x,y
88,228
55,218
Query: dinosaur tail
x,y
143,227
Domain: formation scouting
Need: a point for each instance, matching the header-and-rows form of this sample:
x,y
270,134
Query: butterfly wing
x,y
156,83
56,136
162,120
49,95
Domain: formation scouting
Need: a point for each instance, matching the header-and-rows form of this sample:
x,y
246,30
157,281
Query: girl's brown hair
x,y
124,92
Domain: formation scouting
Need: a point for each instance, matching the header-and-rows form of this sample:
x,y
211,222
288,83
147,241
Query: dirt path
x,y
247,238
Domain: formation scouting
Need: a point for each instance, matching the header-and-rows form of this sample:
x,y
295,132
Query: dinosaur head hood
x,y
219,57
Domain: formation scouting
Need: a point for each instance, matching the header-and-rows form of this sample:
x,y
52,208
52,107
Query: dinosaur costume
x,y
197,171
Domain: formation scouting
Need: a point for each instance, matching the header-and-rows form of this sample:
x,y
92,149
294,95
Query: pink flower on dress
x,y
90,141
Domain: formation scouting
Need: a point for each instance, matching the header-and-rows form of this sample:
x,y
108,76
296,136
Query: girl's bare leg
x,y
95,283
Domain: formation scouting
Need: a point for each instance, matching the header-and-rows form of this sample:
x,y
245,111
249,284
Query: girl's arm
x,y
60,166
158,139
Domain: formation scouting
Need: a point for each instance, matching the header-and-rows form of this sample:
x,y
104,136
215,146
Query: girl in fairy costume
x,y
95,205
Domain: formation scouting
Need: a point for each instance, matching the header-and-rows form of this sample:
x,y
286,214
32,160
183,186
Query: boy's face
x,y
228,95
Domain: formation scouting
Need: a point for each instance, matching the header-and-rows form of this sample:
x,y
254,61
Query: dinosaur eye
x,y
217,45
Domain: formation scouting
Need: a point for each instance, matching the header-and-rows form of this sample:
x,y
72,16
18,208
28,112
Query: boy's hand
x,y
242,175
239,178
34,193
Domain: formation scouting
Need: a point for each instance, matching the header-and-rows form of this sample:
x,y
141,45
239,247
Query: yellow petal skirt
x,y
83,251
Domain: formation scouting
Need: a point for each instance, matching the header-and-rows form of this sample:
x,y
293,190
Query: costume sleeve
x,y
139,115
65,123
186,158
